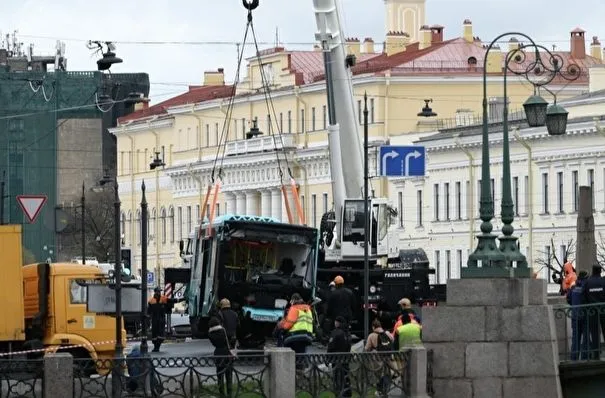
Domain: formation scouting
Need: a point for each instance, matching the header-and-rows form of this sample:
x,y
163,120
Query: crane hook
x,y
250,4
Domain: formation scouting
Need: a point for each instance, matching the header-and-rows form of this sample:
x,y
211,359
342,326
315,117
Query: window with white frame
x,y
544,193
575,190
436,202
325,202
446,198
590,178
458,203
325,116
180,221
372,112
459,259
438,266
560,192
302,121
314,210
448,265
419,209
516,195
526,193
400,207
290,122
189,221
313,119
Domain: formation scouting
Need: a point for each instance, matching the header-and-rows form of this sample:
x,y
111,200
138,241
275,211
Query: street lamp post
x,y
144,347
83,221
366,225
117,274
498,261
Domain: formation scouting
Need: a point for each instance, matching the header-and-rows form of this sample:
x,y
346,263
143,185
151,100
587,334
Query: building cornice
x,y
139,126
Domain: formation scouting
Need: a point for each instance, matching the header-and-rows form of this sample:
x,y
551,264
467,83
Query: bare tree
x,y
98,226
555,262
600,250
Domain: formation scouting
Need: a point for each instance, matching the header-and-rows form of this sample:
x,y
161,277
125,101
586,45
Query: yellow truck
x,y
44,306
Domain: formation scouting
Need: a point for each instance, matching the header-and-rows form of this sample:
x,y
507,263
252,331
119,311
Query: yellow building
x,y
185,131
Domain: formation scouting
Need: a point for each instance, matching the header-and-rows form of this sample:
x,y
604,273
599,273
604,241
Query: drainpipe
x,y
299,100
132,191
471,176
530,196
157,201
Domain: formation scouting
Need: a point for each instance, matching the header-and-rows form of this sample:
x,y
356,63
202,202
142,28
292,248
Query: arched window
x,y
123,226
171,221
163,224
128,238
152,225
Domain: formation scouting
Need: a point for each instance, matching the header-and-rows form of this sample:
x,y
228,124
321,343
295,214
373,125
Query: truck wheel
x,y
84,366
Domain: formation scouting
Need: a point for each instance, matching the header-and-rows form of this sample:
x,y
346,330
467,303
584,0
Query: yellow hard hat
x,y
339,280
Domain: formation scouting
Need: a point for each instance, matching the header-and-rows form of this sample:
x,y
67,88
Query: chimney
x,y
425,37
368,45
141,105
396,42
513,44
494,60
467,31
214,78
436,34
595,49
354,46
578,46
316,47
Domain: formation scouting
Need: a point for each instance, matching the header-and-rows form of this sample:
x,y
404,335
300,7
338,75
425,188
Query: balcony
x,y
261,144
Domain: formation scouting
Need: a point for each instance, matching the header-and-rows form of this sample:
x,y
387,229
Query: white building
x,y
440,212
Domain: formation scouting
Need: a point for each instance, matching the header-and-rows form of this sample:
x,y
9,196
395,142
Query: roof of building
x,y
194,95
453,56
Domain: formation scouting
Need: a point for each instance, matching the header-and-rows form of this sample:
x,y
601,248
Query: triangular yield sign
x,y
31,205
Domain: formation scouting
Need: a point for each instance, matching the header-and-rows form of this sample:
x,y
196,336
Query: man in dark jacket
x,y
157,308
340,342
224,370
579,335
341,302
594,293
229,320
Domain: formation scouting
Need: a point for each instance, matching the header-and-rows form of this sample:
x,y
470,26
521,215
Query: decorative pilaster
x,y
252,203
266,203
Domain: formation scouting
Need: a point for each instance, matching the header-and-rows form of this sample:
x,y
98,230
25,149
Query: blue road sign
x,y
402,161
150,277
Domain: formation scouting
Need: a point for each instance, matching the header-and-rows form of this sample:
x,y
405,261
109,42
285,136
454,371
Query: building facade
x,y
440,212
203,133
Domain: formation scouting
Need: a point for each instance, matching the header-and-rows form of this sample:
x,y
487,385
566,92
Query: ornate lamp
x,y
254,130
427,111
535,111
556,120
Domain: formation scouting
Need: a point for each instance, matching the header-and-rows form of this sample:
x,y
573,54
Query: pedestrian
x,y
229,320
223,356
408,333
340,343
341,302
381,341
157,308
594,293
298,325
579,329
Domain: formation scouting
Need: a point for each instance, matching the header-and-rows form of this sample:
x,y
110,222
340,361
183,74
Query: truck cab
x,y
56,314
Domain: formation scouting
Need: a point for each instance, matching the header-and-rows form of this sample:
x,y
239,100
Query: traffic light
x,y
126,259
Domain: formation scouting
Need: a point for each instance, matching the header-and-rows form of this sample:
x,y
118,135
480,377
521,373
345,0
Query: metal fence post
x,y
281,382
58,375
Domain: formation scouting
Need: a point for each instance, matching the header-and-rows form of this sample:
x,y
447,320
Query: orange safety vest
x,y
163,300
400,322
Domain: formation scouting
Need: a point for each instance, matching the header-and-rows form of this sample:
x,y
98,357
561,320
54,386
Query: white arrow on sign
x,y
414,155
393,154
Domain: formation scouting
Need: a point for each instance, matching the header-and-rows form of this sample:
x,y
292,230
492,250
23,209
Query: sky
x,y
206,31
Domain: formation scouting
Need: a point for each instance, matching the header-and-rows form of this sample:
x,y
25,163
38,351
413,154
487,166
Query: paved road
x,y
194,348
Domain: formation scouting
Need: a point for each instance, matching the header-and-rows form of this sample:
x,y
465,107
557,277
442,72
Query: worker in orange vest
x,y
569,277
157,308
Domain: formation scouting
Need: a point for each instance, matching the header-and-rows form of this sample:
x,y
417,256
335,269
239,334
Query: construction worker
x,y
408,333
579,329
229,320
298,325
157,308
341,302
406,308
570,277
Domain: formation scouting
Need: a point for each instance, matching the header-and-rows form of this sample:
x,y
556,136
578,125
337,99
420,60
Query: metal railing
x,y
174,377
579,331
21,378
348,374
